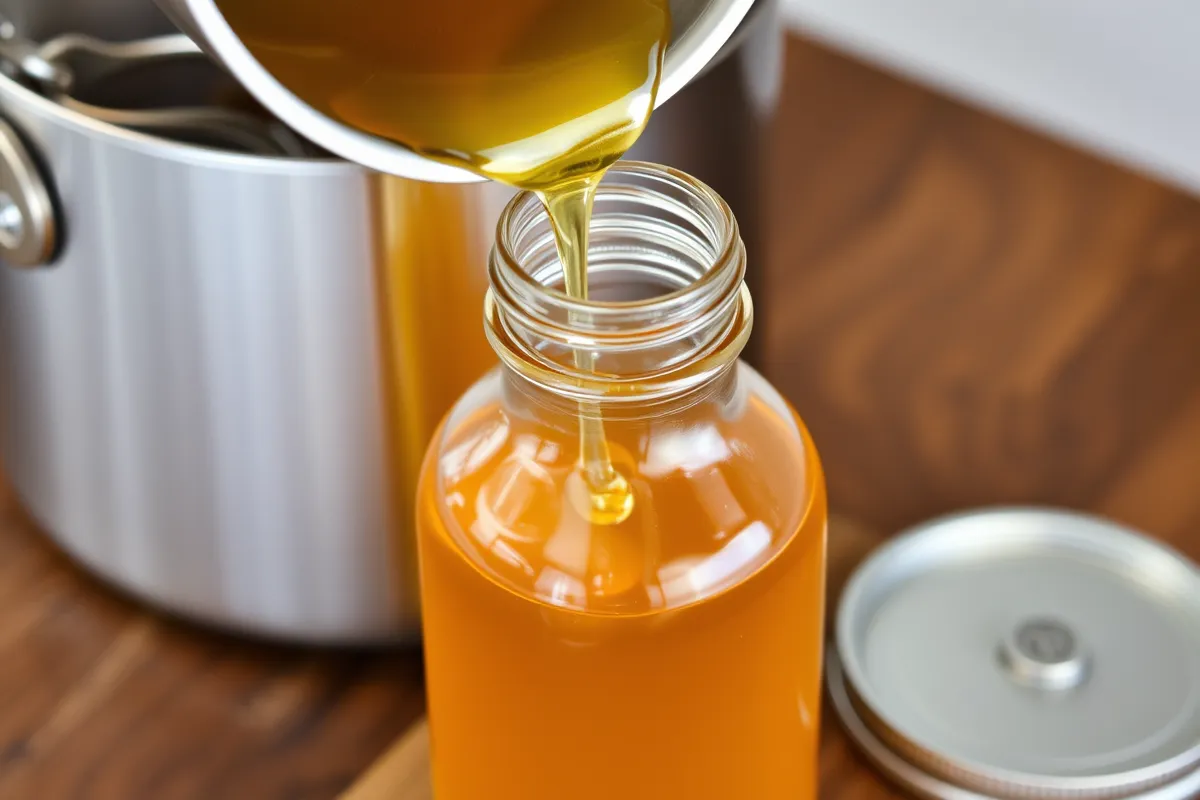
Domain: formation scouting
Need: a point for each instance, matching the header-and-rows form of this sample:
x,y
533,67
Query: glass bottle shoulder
x,y
721,488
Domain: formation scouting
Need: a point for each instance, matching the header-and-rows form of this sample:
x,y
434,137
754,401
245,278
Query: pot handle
x,y
29,231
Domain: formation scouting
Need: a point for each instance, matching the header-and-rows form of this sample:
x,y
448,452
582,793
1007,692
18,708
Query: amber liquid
x,y
675,654
431,285
543,95
533,93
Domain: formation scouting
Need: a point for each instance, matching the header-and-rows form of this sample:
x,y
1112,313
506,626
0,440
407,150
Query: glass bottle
x,y
672,651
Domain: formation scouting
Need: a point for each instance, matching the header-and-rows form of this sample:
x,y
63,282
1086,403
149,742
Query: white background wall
x,y
1119,77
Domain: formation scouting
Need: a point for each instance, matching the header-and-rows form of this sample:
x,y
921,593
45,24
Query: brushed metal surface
x,y
116,20
191,400
190,395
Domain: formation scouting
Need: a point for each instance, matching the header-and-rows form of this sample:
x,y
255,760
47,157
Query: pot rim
x,y
13,94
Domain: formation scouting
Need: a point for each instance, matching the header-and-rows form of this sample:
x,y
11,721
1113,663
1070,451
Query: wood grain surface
x,y
964,312
102,700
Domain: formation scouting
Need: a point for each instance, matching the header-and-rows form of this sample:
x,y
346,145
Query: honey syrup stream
x,y
543,95
610,498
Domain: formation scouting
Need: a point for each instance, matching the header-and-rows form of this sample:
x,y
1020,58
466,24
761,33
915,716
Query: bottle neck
x,y
667,314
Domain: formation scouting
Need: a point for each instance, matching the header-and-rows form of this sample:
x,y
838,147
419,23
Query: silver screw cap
x,y
1024,653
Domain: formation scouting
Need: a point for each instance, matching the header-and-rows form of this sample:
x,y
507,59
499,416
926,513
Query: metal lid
x,y
1024,653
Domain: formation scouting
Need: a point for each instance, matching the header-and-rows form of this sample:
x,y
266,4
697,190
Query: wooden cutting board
x,y
402,773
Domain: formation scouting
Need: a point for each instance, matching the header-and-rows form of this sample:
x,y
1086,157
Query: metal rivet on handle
x,y
12,222
28,230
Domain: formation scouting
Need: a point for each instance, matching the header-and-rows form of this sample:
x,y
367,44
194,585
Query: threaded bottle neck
x,y
667,309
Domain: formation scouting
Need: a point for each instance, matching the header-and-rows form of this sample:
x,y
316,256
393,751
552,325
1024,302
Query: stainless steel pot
x,y
198,387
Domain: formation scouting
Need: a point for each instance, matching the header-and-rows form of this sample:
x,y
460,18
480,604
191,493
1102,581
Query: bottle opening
x,y
667,306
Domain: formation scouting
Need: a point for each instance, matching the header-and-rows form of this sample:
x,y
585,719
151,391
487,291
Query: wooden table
x,y
964,312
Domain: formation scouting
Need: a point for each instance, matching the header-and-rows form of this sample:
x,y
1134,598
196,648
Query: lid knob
x,y
1044,654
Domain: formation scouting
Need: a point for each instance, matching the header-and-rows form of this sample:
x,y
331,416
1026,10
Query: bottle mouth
x,y
667,303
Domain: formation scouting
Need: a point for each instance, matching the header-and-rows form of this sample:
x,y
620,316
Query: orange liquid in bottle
x,y
644,659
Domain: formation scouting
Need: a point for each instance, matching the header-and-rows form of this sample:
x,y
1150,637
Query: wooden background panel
x,y
967,313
